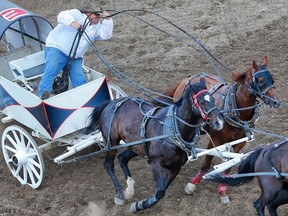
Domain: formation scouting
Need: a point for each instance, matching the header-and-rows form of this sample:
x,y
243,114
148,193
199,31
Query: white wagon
x,y
58,119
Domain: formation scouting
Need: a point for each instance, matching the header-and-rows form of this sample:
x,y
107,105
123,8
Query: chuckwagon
x,y
58,119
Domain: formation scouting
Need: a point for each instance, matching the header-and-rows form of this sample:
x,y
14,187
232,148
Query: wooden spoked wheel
x,y
116,91
22,156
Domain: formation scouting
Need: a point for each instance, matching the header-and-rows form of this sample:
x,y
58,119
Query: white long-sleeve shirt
x,y
62,36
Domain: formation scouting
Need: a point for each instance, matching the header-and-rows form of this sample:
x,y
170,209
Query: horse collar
x,y
171,127
233,113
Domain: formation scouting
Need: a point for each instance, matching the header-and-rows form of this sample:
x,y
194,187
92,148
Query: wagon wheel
x,y
116,91
22,156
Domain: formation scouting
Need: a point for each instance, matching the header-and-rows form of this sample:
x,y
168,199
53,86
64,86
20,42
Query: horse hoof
x,y
224,200
190,188
118,201
128,194
133,208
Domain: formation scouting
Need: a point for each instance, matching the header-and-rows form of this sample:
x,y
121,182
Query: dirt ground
x,y
235,32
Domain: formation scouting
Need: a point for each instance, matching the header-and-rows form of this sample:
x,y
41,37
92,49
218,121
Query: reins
x,y
211,58
136,85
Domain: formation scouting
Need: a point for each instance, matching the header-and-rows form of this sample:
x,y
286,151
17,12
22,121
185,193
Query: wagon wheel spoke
x,y
10,149
12,141
31,176
33,169
116,91
17,171
25,174
34,163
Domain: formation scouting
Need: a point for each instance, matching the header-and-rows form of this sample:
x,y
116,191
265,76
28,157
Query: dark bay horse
x,y
272,162
160,134
239,104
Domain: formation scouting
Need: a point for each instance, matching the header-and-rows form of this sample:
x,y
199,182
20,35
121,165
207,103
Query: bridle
x,y
204,113
257,90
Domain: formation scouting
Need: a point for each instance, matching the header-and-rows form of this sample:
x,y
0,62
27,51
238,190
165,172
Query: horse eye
x,y
260,81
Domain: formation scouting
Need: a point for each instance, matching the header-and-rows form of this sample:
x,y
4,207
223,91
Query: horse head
x,y
261,83
205,105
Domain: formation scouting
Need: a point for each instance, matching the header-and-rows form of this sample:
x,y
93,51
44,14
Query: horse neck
x,y
186,113
244,99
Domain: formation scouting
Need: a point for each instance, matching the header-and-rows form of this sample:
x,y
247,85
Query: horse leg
x,y
163,178
270,188
281,199
222,188
191,186
257,206
123,159
109,166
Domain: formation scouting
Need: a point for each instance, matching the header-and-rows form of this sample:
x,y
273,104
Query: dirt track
x,y
236,33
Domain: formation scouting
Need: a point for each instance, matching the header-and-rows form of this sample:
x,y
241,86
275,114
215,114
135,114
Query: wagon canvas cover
x,y
29,24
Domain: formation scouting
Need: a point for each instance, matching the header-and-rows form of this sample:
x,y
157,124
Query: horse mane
x,y
191,88
240,76
170,92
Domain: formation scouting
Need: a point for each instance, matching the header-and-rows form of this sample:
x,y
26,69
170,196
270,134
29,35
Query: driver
x,y
60,40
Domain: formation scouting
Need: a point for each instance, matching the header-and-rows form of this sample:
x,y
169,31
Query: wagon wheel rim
x,y
22,156
116,91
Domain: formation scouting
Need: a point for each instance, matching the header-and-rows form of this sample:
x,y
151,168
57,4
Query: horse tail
x,y
95,117
246,166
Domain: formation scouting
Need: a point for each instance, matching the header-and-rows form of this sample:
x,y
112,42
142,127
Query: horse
x,y
271,163
239,101
159,134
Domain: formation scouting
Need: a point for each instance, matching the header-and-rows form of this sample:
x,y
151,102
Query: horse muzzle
x,y
216,120
272,102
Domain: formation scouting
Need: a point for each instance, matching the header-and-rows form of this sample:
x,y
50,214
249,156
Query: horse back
x,y
274,155
213,83
122,119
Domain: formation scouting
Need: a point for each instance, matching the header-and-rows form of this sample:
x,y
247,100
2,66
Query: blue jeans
x,y
55,62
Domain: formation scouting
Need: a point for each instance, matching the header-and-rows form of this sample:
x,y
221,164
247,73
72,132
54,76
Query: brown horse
x,y
238,102
158,132
270,165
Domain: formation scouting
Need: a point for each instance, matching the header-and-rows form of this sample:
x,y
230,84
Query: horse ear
x,y
255,66
265,61
203,81
249,76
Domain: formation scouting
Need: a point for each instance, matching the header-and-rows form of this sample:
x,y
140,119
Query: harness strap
x,y
171,127
108,144
233,116
145,119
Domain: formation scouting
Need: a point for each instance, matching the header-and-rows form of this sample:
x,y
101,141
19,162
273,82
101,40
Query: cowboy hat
x,y
91,9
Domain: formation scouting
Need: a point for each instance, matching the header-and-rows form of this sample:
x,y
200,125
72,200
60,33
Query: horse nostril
x,y
276,104
220,125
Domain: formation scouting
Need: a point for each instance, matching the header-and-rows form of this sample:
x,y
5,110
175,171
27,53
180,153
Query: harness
x,y
108,143
233,116
170,126
145,119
